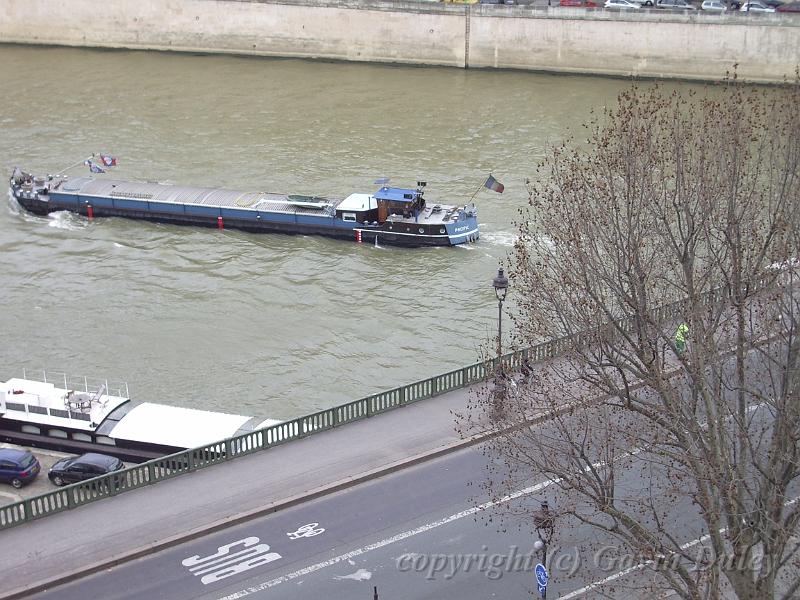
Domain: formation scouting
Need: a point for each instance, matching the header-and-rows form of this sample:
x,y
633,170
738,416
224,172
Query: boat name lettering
x,y
460,229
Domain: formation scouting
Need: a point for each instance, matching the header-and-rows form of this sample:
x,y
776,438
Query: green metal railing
x,y
229,449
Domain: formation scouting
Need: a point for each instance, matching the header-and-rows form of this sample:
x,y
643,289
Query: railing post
x,y
27,509
151,472
228,449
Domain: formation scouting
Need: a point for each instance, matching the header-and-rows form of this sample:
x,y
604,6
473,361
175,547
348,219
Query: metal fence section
x,y
224,450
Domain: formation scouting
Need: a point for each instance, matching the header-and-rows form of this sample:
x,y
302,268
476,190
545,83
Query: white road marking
x,y
596,584
223,564
360,575
391,540
307,530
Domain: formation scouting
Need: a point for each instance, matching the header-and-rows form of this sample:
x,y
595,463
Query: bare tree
x,y
683,451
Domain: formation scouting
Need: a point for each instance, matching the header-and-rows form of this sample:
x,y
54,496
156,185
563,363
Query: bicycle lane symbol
x,y
306,531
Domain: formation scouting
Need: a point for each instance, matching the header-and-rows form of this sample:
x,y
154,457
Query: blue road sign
x,y
541,575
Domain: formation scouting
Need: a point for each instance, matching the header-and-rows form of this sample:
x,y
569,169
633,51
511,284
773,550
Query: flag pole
x,y
77,164
480,187
472,198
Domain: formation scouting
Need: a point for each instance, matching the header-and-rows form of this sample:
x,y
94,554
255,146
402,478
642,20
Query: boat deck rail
x,y
96,386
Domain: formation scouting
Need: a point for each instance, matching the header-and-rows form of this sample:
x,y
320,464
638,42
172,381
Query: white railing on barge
x,y
78,383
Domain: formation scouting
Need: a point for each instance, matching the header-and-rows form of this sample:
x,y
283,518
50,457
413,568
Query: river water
x,y
267,325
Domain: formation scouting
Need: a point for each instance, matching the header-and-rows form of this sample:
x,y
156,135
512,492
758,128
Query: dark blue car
x,y
18,467
80,468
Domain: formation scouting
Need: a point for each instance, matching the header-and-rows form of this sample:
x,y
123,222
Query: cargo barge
x,y
390,216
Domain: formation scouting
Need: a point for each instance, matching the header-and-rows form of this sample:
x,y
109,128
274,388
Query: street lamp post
x,y
544,521
500,284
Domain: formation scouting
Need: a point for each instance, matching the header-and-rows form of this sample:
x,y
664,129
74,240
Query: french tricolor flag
x,y
494,185
108,161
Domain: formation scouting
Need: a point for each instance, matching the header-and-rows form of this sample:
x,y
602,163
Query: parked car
x,y
756,6
643,2
713,5
584,3
789,7
674,4
18,467
621,4
80,468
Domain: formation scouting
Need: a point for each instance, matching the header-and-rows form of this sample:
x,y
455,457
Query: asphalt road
x,y
415,534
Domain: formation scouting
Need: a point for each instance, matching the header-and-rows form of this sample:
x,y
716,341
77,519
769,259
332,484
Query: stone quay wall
x,y
646,43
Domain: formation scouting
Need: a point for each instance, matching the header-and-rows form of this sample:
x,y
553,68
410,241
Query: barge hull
x,y
368,235
391,216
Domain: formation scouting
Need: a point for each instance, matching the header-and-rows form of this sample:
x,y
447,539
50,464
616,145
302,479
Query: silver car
x,y
622,4
756,6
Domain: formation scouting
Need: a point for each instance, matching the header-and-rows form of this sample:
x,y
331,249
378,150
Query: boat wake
x,y
499,238
66,220
13,205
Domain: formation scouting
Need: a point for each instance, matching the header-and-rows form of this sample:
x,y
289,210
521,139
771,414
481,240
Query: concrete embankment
x,y
649,43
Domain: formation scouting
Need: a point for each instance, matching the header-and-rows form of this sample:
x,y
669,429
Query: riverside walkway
x,y
77,542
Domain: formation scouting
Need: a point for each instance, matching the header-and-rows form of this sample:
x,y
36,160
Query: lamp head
x,y
500,284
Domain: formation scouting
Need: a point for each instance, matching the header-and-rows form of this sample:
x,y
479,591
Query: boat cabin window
x,y
348,216
397,208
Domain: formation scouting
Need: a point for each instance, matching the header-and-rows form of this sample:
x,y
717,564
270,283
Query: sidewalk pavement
x,y
74,543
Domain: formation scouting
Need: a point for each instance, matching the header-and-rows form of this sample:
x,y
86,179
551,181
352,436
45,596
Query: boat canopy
x,y
176,426
397,194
